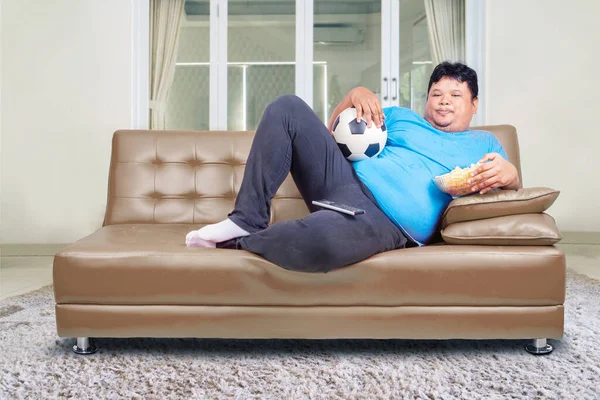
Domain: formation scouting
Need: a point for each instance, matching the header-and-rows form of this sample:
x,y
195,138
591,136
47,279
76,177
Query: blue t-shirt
x,y
401,176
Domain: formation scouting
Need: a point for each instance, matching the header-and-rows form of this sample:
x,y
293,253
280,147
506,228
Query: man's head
x,y
451,97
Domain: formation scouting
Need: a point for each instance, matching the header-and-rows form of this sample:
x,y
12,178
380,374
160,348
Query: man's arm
x,y
366,103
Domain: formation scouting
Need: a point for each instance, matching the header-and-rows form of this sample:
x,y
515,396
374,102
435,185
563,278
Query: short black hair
x,y
458,71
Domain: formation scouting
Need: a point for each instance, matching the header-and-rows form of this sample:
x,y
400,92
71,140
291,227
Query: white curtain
x,y
446,25
165,17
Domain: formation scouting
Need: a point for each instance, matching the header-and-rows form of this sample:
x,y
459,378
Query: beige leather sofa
x,y
134,277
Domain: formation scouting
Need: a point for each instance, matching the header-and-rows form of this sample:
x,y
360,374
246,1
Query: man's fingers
x,y
378,115
486,166
492,187
488,156
379,112
484,158
368,117
369,110
359,111
374,105
486,183
480,185
377,119
486,174
367,113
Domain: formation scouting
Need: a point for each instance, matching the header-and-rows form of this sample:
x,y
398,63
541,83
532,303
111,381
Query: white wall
x,y
543,78
65,87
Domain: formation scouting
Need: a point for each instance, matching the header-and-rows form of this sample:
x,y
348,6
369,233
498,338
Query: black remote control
x,y
343,208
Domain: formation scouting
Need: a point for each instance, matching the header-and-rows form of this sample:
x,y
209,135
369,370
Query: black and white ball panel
x,y
355,140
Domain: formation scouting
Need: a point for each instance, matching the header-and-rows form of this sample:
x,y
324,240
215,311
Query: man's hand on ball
x,y
367,105
495,172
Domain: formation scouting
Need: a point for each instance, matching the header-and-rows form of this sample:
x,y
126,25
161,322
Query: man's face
x,y
450,106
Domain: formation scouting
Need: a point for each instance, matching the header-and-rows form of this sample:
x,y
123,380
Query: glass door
x,y
261,58
347,51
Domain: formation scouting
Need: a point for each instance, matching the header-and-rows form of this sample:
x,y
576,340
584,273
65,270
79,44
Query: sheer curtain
x,y
165,17
446,26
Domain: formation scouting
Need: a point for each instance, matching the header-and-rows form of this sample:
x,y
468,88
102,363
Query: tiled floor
x,y
583,258
22,274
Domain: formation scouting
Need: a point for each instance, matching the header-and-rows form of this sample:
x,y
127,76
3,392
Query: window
x,y
354,43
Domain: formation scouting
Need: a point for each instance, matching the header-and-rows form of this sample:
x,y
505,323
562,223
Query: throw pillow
x,y
499,203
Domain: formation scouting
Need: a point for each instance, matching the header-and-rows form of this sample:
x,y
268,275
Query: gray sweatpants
x,y
290,137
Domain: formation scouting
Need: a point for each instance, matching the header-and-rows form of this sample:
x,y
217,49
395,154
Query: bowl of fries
x,y
455,183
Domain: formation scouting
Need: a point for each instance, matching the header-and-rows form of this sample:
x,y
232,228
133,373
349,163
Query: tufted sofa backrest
x,y
160,177
193,177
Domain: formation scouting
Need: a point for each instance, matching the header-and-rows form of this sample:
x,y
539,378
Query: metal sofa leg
x,y
539,347
84,346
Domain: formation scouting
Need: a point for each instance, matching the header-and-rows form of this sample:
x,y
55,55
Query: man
x,y
403,206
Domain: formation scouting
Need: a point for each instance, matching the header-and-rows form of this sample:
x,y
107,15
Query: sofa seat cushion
x,y
149,264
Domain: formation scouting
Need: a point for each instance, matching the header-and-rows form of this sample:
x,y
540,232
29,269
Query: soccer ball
x,y
355,140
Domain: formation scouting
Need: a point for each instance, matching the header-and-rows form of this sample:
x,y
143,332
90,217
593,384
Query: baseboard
x,y
37,249
580,238
29,250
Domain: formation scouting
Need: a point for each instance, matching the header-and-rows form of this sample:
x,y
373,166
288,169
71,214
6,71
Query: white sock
x,y
192,241
214,233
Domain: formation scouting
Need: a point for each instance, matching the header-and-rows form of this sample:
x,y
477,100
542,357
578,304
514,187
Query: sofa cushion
x,y
525,229
150,264
499,203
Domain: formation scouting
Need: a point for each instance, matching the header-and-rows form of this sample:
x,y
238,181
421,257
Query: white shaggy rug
x,y
36,364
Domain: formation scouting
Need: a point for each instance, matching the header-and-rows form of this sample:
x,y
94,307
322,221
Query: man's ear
x,y
475,104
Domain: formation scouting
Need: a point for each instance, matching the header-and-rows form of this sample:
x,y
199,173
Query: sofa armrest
x,y
499,203
535,229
